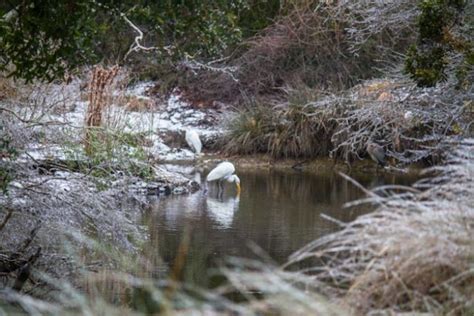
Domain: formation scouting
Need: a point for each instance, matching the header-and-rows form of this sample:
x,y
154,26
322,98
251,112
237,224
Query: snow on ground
x,y
174,115
63,110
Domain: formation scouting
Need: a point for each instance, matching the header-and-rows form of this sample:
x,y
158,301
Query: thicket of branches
x,y
410,122
330,45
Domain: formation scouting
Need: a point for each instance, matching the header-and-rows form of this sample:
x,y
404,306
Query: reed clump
x,y
292,129
100,95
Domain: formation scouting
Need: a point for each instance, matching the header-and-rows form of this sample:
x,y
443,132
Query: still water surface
x,y
279,211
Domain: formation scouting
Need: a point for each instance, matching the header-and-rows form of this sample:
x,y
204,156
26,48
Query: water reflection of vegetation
x,y
277,211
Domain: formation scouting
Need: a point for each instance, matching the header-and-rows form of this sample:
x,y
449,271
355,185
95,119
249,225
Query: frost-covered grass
x,y
413,254
410,122
51,188
47,121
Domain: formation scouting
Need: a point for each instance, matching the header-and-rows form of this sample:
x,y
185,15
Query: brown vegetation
x,y
139,104
314,124
319,45
99,98
413,254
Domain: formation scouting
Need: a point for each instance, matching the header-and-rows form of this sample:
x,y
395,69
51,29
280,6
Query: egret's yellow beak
x,y
238,188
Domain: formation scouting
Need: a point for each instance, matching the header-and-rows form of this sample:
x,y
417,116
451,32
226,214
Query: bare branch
x,y
136,46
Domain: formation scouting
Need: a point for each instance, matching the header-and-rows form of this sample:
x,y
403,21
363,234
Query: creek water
x,y
276,213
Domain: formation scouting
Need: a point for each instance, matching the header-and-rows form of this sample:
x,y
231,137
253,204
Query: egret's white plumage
x,y
408,115
224,171
192,138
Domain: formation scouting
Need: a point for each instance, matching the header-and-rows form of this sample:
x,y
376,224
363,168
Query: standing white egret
x,y
192,138
224,172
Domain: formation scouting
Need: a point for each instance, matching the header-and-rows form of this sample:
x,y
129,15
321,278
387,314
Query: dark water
x,y
279,211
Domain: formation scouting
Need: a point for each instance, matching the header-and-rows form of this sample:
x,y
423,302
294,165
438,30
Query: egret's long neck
x,y
230,178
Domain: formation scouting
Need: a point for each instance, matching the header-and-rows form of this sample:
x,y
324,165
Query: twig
x,y
194,65
136,46
7,217
332,219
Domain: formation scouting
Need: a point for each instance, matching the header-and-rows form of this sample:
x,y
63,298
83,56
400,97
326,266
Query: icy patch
x,y
43,152
176,116
175,102
183,169
176,154
139,89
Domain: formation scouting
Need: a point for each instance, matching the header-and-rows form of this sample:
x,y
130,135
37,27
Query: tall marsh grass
x,y
295,128
415,253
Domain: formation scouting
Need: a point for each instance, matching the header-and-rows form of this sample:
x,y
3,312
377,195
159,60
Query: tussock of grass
x,y
293,129
413,254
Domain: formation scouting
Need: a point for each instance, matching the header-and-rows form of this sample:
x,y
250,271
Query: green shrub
x,y
86,31
426,64
7,152
112,151
439,20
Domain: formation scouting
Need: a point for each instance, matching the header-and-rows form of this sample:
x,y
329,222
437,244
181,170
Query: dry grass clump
x,y
292,129
139,104
268,290
413,254
7,88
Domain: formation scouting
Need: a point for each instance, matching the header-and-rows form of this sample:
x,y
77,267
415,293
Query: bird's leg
x,y
220,191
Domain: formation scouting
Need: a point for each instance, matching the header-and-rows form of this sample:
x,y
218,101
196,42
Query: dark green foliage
x,y
45,38
465,72
427,61
193,29
204,28
7,153
256,15
426,64
436,15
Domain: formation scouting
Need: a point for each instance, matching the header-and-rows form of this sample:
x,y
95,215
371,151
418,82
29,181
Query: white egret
x,y
377,153
192,138
224,172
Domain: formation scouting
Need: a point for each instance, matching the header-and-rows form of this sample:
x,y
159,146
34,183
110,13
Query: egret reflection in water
x,y
222,210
